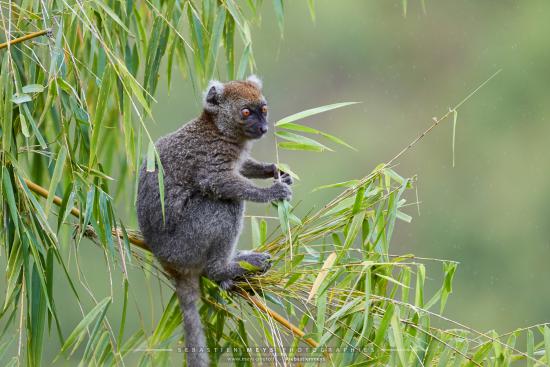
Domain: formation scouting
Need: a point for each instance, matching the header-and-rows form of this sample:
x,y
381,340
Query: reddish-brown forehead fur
x,y
242,90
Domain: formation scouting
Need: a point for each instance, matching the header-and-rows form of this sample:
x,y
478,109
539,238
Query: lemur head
x,y
239,108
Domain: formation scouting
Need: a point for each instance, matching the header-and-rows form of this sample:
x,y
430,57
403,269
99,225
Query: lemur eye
x,y
245,112
264,109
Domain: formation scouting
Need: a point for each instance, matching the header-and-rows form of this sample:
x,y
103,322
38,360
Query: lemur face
x,y
254,120
239,106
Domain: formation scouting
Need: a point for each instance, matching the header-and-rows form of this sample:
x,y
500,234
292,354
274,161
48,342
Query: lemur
x,y
206,181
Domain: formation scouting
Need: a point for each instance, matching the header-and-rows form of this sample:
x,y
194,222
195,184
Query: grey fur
x,y
206,181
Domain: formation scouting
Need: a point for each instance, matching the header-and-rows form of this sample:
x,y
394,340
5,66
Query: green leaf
x,y
245,60
151,157
33,88
547,342
530,348
311,7
66,205
419,288
36,322
155,51
449,270
248,266
24,126
282,211
263,231
455,116
56,177
349,183
311,112
299,139
10,198
79,332
286,169
169,321
327,265
255,229
113,16
299,127
481,353
103,99
337,140
383,327
215,40
298,146
353,230
279,13
404,217
398,337
21,98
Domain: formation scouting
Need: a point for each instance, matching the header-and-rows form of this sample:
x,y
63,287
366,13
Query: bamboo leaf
x,y
349,183
10,198
299,146
78,333
101,105
245,60
279,12
384,324
286,168
112,15
455,116
56,177
299,139
37,320
21,98
398,337
248,266
151,157
311,112
33,88
322,275
547,342
24,126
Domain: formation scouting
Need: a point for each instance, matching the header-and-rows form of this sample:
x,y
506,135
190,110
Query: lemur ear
x,y
213,93
255,80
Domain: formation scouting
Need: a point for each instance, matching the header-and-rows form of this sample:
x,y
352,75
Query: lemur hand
x,y
280,191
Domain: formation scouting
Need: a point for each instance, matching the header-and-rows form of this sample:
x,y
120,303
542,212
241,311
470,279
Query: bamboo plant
x,y
77,84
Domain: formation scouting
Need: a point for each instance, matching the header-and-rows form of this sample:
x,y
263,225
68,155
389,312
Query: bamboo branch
x,y
136,239
277,317
25,38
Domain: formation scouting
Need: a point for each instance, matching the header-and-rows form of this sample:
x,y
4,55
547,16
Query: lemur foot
x,y
226,284
260,260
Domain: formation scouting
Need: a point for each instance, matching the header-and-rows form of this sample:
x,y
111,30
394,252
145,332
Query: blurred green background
x,y
490,212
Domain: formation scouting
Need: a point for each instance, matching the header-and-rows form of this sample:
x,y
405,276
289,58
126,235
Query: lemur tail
x,y
188,291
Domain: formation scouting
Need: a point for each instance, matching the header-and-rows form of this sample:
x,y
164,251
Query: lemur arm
x,y
254,169
232,186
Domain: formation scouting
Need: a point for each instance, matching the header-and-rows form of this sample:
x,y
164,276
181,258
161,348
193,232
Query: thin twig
x,y
438,120
25,38
277,317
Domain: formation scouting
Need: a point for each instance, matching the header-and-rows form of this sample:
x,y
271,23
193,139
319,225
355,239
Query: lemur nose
x,y
263,129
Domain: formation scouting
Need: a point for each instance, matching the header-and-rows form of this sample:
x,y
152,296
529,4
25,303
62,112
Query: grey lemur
x,y
206,181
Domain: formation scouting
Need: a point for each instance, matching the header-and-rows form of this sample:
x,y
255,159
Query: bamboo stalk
x,y
135,238
277,317
24,38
